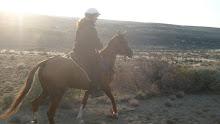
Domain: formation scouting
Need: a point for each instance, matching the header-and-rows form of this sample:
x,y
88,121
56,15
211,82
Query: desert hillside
x,y
28,30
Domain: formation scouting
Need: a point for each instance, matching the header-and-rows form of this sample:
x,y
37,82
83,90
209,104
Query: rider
x,y
86,48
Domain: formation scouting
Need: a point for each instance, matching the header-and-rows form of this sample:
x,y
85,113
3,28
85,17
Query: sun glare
x,y
13,6
183,12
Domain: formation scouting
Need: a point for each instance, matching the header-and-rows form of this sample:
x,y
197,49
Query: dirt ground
x,y
191,109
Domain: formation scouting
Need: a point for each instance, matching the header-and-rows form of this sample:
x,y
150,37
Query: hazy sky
x,y
181,12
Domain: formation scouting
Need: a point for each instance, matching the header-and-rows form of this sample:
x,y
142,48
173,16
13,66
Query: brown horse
x,y
58,73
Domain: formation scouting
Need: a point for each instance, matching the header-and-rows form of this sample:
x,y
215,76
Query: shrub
x,y
12,57
215,86
207,79
7,99
140,95
134,102
155,75
20,66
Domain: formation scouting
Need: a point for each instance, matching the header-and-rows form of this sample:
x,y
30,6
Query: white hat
x,y
92,11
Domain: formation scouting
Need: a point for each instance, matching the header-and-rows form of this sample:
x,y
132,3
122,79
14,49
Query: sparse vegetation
x,y
158,73
134,102
149,74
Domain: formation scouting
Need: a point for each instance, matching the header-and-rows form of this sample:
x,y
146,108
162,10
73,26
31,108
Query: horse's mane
x,y
106,46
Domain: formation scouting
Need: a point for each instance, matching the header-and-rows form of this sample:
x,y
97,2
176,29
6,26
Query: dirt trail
x,y
196,109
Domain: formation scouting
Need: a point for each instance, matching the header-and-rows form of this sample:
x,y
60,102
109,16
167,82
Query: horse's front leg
x,y
83,105
114,108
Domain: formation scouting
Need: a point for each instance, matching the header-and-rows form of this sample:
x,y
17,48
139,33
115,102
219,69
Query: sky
x,y
181,12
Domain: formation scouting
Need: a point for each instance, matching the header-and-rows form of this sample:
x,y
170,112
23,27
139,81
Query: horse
x,y
57,74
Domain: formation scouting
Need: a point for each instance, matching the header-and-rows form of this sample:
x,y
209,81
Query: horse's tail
x,y
23,92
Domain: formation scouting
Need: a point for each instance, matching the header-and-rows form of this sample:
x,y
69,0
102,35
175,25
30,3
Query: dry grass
x,y
147,75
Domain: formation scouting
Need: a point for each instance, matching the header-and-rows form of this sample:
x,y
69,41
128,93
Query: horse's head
x,y
120,45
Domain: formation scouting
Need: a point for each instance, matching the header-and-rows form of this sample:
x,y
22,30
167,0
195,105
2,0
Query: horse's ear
x,y
118,33
124,34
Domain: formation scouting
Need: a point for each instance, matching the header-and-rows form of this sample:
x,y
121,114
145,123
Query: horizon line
x,y
65,16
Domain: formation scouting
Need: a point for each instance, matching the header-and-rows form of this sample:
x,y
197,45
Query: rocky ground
x,y
191,109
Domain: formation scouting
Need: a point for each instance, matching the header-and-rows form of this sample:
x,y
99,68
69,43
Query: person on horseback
x,y
87,45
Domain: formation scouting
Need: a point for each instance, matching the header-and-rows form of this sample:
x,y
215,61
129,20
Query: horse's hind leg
x,y
53,106
36,103
40,98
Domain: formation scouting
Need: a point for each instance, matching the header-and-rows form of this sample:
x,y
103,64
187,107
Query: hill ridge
x,y
32,30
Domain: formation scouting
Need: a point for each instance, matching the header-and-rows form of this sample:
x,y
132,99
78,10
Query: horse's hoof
x,y
34,122
115,115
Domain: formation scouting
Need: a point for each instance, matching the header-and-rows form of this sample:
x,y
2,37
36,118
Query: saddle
x,y
76,58
79,61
